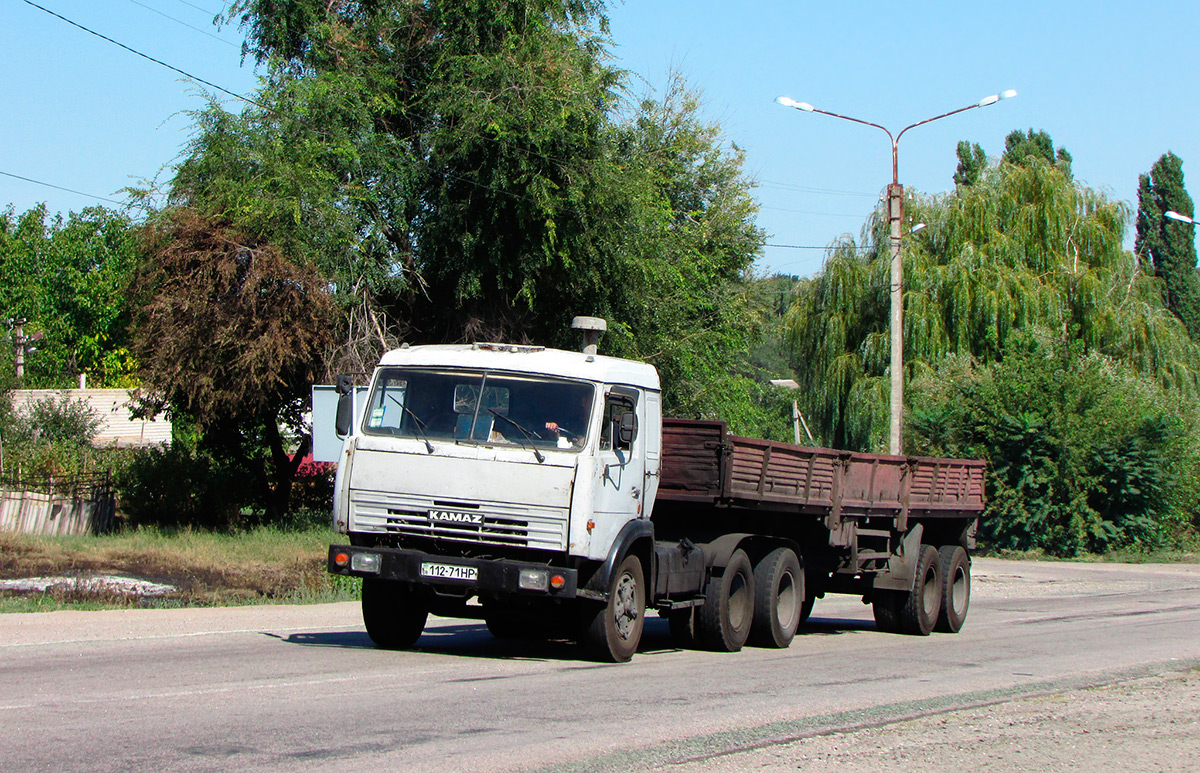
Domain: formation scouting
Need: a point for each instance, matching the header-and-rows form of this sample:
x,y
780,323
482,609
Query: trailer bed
x,y
703,464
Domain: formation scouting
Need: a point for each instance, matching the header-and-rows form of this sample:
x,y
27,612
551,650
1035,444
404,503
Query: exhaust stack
x,y
592,327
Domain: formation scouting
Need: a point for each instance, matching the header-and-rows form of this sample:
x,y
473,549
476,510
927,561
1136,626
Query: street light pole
x,y
895,211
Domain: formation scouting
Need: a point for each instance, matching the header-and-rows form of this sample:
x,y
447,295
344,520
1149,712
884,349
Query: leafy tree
x,y
1021,148
227,332
70,278
1170,246
972,162
1025,247
480,177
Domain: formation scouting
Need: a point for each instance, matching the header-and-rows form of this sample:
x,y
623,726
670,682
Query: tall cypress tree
x,y
1168,244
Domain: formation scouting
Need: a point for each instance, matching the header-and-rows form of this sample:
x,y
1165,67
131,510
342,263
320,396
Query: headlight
x,y
534,579
365,562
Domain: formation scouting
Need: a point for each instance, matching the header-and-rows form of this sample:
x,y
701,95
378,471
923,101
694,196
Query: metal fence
x,y
74,505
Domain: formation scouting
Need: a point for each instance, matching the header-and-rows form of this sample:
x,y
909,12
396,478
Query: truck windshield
x,y
480,407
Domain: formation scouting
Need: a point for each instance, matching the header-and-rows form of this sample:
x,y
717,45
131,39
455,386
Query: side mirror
x,y
344,420
627,430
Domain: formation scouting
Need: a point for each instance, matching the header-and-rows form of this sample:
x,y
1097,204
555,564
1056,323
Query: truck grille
x,y
484,522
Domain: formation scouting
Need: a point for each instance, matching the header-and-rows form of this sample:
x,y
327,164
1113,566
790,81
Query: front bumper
x,y
492,575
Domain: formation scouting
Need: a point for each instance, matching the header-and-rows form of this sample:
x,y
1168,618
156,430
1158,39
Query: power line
x,y
193,5
807,189
61,188
146,56
810,212
185,24
815,247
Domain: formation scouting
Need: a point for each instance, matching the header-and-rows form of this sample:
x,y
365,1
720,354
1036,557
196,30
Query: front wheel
x,y
393,615
613,631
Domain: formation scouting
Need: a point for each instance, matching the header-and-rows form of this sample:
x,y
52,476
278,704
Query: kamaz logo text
x,y
446,516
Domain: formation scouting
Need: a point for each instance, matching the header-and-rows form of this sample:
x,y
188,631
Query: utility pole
x,y
22,345
895,204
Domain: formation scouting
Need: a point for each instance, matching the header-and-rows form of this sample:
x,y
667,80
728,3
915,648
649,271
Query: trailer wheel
x,y
920,610
956,587
728,607
778,599
612,633
393,614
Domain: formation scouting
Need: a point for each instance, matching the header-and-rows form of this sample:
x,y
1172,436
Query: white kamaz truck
x,y
543,491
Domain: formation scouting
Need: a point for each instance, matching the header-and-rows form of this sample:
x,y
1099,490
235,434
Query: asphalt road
x,y
302,688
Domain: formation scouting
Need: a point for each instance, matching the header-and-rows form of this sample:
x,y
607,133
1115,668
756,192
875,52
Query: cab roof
x,y
515,358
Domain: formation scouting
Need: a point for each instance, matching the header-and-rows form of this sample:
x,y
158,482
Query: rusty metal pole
x,y
896,367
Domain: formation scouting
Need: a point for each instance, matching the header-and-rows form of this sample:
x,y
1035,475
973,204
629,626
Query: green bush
x,y
55,420
180,486
1084,456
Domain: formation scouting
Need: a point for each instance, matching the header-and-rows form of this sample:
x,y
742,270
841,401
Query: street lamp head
x,y
917,228
993,99
1179,216
789,102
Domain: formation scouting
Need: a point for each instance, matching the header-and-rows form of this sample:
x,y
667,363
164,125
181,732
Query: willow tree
x,y
1023,248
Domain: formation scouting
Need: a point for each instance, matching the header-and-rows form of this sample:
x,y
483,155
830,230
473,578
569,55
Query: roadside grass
x,y
262,565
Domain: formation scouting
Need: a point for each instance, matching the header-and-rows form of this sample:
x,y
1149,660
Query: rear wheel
x,y
505,622
956,587
393,614
728,608
806,609
919,613
886,608
613,631
778,599
683,626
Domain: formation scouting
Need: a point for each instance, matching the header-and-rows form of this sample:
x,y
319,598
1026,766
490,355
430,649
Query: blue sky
x,y
1115,83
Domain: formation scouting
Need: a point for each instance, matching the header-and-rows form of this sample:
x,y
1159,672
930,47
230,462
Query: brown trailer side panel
x,y
702,462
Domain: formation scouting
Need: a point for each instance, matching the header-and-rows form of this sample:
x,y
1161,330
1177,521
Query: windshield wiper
x,y
420,424
528,435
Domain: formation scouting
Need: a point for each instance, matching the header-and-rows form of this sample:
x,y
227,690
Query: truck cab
x,y
512,474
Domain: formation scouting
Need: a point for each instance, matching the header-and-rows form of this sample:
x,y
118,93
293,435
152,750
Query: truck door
x,y
620,466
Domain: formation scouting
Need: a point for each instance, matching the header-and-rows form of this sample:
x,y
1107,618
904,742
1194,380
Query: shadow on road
x,y
472,639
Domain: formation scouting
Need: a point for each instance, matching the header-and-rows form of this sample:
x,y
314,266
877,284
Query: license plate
x,y
449,571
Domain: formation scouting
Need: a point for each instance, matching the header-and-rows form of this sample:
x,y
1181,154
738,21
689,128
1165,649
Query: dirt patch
x,y
1151,723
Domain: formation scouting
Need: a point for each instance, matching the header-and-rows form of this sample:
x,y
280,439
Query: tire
x,y
886,608
728,610
806,610
778,599
393,614
921,607
612,633
506,623
683,627
956,588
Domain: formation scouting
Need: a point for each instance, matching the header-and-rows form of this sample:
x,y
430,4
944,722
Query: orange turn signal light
x,y
341,559
557,581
